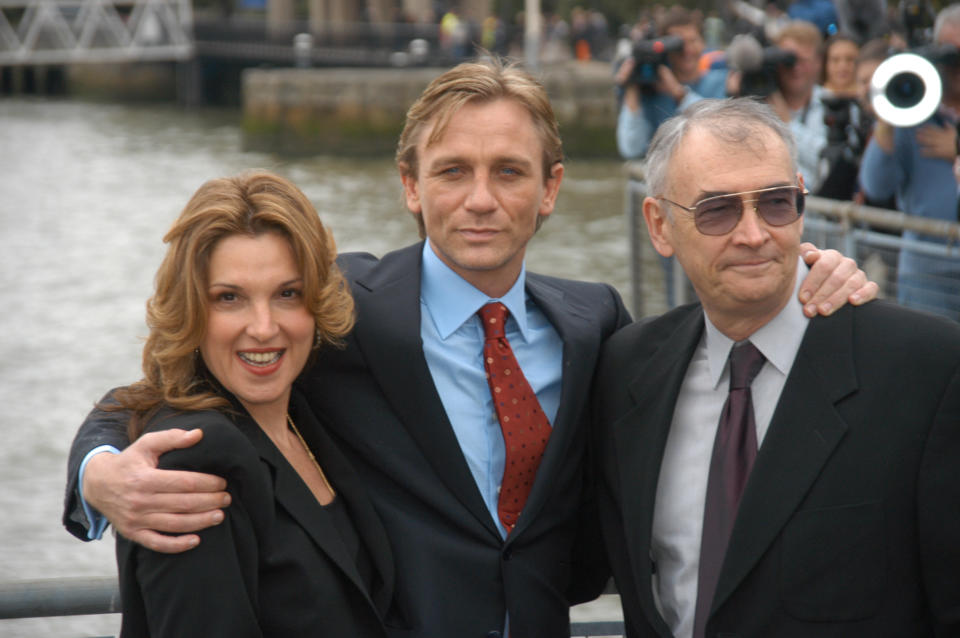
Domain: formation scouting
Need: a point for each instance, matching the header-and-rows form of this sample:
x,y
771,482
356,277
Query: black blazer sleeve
x,y
210,590
591,571
99,428
938,512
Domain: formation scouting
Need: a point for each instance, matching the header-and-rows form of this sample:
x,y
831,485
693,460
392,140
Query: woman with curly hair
x,y
246,297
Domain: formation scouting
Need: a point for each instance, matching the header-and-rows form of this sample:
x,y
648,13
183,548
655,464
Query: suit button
x,y
508,553
494,634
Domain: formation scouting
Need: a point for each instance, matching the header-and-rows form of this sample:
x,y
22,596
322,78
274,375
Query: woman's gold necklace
x,y
312,457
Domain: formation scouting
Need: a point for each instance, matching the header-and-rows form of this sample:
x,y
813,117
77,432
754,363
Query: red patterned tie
x,y
734,450
525,427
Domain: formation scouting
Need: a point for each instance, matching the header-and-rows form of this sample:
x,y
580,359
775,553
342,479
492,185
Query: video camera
x,y
906,88
846,140
759,65
649,54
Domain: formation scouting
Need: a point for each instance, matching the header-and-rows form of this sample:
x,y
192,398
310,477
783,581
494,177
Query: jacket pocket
x,y
833,565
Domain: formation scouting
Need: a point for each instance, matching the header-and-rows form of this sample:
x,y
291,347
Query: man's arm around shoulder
x,y
128,489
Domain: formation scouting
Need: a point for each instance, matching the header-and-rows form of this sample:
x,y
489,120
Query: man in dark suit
x,y
820,497
408,397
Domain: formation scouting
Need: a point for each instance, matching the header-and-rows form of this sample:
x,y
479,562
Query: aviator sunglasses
x,y
718,215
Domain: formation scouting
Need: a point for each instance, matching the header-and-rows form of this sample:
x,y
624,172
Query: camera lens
x,y
905,90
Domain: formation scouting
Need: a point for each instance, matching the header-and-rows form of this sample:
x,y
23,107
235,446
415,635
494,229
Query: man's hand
x,y
668,84
833,280
883,136
624,71
938,141
141,501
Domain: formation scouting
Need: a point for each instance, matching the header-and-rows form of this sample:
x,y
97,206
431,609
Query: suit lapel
x,y
347,484
394,353
581,343
804,431
294,496
640,439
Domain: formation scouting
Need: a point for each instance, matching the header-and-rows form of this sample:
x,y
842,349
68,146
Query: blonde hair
x,y
249,204
803,32
471,82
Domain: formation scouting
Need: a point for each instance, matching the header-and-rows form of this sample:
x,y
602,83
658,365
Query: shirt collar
x,y
451,300
779,339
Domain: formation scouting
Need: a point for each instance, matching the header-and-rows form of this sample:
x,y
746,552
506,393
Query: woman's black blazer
x,y
276,565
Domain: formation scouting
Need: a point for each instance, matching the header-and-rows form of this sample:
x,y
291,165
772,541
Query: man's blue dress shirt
x,y
453,346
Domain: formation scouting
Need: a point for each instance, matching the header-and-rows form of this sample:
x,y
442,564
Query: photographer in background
x,y
785,76
678,83
872,54
798,98
917,164
846,135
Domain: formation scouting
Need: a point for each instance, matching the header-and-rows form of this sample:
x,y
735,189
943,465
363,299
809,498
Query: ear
x,y
411,189
658,225
551,189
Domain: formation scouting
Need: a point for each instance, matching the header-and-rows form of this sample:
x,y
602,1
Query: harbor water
x,y
87,191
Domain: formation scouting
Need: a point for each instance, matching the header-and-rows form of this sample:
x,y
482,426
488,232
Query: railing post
x,y
59,597
632,212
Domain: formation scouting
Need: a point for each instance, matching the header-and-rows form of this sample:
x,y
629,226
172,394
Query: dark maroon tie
x,y
525,427
734,449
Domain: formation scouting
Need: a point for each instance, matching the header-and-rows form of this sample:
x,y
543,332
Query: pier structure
x,y
203,49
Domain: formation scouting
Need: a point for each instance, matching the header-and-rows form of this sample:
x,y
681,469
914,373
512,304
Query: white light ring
x,y
932,90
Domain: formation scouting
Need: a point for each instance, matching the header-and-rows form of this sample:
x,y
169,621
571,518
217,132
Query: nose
x,y
480,199
750,230
262,325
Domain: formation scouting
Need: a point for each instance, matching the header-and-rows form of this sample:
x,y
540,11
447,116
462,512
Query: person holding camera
x,y
648,101
917,165
797,99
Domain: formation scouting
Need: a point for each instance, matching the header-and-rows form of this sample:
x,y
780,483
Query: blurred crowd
x,y
813,62
585,35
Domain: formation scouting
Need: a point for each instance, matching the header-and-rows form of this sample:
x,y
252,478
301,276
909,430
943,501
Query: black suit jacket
x,y
849,525
455,576
277,565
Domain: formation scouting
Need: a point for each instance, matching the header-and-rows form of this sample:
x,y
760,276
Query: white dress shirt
x,y
682,487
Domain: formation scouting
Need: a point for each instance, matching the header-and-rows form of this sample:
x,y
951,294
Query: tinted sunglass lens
x,y
718,215
779,208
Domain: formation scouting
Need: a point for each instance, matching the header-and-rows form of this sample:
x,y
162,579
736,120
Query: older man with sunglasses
x,y
762,473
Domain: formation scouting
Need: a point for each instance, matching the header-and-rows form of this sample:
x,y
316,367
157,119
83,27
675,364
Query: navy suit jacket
x,y
455,575
849,523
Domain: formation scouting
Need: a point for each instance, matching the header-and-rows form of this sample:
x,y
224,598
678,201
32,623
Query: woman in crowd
x,y
247,295
840,66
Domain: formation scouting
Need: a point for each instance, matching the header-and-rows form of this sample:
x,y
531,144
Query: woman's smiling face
x,y
259,332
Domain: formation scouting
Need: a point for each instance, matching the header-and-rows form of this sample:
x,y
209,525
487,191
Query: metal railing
x,y
872,236
59,597
81,596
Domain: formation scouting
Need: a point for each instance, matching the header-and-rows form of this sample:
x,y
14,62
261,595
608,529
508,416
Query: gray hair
x,y
734,120
950,15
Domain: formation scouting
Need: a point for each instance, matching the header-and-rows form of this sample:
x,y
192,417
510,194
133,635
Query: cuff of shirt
x,y
98,523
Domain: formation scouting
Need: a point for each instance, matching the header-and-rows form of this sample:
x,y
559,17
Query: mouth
x,y
261,359
750,264
478,233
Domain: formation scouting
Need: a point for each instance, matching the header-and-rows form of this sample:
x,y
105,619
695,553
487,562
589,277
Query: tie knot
x,y
745,363
493,316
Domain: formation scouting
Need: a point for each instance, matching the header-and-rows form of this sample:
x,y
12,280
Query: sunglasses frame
x,y
800,191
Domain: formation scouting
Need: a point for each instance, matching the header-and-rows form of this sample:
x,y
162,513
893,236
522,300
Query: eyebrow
x,y
702,195
216,284
446,160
